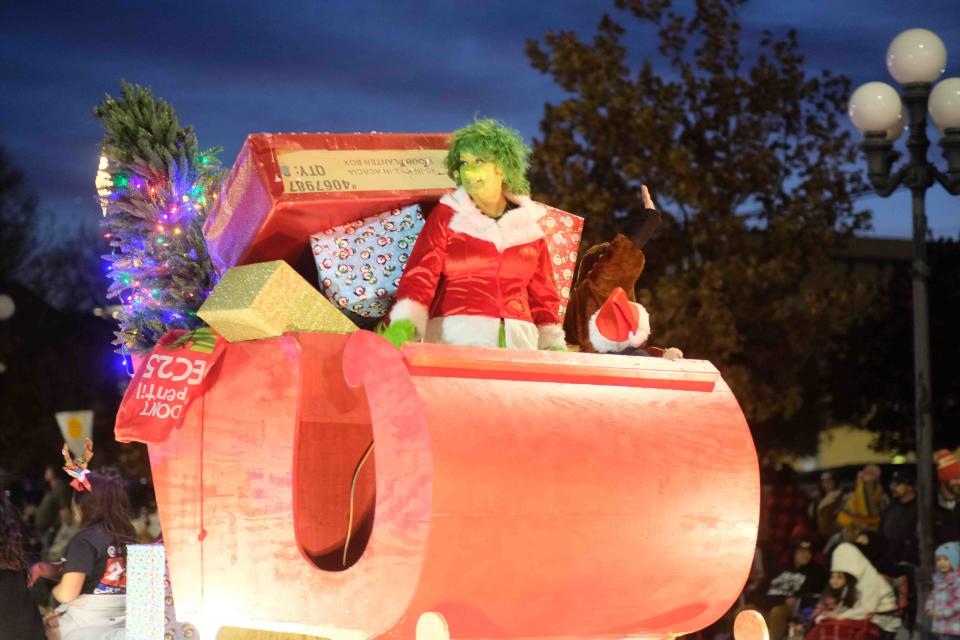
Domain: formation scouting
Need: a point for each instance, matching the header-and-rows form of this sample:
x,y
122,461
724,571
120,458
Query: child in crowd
x,y
868,595
840,594
943,603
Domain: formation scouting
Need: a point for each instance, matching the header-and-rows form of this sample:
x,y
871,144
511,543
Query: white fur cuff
x,y
551,337
407,309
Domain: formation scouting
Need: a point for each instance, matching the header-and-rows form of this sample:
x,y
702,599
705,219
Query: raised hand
x,y
647,200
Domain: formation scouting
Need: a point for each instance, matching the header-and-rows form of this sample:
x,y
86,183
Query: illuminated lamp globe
x,y
945,104
916,55
7,307
894,132
875,106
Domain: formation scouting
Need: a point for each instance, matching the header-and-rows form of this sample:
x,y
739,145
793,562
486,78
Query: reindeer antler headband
x,y
77,469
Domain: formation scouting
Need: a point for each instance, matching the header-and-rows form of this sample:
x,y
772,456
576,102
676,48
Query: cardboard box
x,y
285,187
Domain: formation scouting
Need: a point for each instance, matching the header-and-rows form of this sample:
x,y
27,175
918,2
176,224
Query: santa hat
x,y
947,466
619,324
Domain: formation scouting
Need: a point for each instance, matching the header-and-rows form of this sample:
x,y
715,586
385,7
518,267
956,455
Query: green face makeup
x,y
480,177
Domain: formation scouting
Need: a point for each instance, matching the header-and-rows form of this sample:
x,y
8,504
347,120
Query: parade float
x,y
312,478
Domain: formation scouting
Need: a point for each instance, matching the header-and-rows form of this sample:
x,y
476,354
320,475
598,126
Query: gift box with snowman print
x,y
359,264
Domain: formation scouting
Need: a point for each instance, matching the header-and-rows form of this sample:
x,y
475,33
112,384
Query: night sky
x,y
233,68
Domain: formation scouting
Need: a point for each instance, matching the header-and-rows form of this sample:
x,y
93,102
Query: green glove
x,y
398,332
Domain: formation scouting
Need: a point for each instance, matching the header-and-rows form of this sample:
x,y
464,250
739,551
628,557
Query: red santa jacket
x,y
468,271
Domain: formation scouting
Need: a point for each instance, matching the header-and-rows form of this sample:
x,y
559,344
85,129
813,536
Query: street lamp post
x,y
915,58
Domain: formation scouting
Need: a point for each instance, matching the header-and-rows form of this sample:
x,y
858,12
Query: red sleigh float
x,y
510,494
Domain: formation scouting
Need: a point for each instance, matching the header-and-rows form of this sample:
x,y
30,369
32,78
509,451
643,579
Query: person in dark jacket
x,y
796,587
898,526
20,618
946,512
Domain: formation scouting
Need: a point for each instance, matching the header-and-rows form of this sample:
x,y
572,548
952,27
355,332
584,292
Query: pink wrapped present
x,y
562,232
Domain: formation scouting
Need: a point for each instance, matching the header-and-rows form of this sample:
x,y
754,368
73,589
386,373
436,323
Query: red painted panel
x,y
514,507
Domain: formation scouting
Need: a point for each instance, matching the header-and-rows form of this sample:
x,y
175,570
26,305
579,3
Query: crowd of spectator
x,y
62,553
833,562
841,561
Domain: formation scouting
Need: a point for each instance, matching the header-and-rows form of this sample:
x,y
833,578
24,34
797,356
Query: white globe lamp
x,y
875,107
7,307
944,104
916,55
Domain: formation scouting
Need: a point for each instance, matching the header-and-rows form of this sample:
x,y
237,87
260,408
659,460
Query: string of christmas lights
x,y
154,186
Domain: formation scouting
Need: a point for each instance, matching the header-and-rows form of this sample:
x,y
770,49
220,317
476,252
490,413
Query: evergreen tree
x,y
160,184
747,158
18,208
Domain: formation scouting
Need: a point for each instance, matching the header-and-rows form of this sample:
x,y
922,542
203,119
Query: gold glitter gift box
x,y
268,299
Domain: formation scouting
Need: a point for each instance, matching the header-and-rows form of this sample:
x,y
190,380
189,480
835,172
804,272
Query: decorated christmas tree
x,y
155,186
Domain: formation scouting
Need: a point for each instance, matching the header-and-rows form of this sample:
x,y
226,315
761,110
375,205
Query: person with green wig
x,y
480,273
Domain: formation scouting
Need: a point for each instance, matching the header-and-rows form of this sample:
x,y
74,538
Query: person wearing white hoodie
x,y
875,601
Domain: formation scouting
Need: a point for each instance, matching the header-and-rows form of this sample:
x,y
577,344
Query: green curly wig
x,y
488,138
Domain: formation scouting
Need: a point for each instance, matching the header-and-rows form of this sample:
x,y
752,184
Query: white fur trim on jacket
x,y
634,339
551,336
515,227
408,309
481,331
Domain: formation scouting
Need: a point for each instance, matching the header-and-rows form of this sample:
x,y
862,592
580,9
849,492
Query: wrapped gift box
x,y
359,264
562,232
266,300
150,613
146,574
285,187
